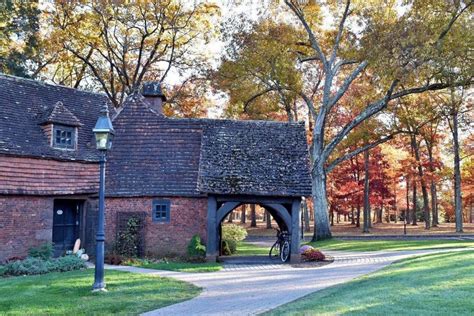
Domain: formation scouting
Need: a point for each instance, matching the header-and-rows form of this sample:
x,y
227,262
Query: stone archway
x,y
285,211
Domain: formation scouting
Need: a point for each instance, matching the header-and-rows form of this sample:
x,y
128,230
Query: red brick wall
x,y
32,176
187,218
25,222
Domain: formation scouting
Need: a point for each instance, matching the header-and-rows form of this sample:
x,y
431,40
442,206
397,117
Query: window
x,y
64,137
161,211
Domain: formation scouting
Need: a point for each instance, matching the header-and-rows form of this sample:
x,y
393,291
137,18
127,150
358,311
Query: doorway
x,y
66,225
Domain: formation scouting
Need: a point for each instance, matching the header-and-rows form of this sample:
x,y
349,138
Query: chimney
x,y
154,96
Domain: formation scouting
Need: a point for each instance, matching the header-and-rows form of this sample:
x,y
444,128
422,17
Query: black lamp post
x,y
104,132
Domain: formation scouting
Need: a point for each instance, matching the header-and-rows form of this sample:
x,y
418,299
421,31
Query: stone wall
x,y
187,218
25,222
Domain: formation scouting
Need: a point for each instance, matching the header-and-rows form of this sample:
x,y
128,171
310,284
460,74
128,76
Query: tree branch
x,y
312,38
443,34
339,32
368,112
357,151
247,103
347,82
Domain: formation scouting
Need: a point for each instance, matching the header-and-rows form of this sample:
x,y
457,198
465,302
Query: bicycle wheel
x,y
285,251
274,251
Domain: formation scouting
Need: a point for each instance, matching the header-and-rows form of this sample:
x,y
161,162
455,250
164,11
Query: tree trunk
x,y
230,217
366,193
331,215
457,174
379,215
253,216
352,215
415,205
424,189
243,214
407,211
268,219
321,219
358,215
307,228
395,206
433,191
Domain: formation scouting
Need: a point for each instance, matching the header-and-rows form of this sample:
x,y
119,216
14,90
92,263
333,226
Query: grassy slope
x,y
249,249
69,293
183,266
374,245
440,284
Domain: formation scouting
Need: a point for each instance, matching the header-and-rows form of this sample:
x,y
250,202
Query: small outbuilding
x,y
178,177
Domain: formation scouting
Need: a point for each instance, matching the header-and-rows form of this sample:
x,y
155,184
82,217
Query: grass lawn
x,y
69,293
182,266
439,284
374,245
249,249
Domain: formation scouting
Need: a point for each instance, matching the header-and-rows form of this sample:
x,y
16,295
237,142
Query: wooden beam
x,y
254,199
225,209
295,231
211,247
282,212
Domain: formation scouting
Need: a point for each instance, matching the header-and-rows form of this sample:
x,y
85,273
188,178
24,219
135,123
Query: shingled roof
x,y
152,155
254,158
155,155
26,104
59,114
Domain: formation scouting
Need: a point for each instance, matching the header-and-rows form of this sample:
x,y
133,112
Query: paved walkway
x,y
256,289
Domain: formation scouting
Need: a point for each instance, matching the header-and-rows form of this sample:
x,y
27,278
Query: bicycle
x,y
281,247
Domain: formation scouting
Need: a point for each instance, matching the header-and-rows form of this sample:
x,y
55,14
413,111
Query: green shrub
x,y
68,263
3,270
32,265
44,251
27,266
229,247
233,232
196,248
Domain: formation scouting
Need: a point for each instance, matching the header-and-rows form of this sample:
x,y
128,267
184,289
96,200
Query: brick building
x,y
181,177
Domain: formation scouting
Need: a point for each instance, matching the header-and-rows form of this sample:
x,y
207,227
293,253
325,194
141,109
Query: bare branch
x,y
347,82
339,32
368,112
357,151
312,38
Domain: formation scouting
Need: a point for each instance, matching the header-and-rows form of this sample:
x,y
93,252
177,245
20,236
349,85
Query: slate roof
x,y
155,155
26,104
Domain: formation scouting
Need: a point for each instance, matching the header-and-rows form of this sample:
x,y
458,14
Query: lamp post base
x,y
99,288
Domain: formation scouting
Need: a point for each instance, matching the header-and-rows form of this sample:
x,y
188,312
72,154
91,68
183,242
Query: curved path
x,y
258,288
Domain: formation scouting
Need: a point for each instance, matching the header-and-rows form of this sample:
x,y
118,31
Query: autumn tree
x,y
20,43
402,50
117,47
258,70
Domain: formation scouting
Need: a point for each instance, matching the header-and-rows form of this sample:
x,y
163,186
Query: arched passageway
x,y
285,211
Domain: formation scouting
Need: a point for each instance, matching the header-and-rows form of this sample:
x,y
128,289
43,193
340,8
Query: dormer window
x,y
60,126
64,137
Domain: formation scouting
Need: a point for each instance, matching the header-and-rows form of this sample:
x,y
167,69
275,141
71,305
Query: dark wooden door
x,y
66,223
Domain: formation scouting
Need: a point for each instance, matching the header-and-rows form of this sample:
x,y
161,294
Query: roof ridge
x,y
43,83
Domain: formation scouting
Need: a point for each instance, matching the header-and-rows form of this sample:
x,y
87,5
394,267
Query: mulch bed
x,y
313,264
